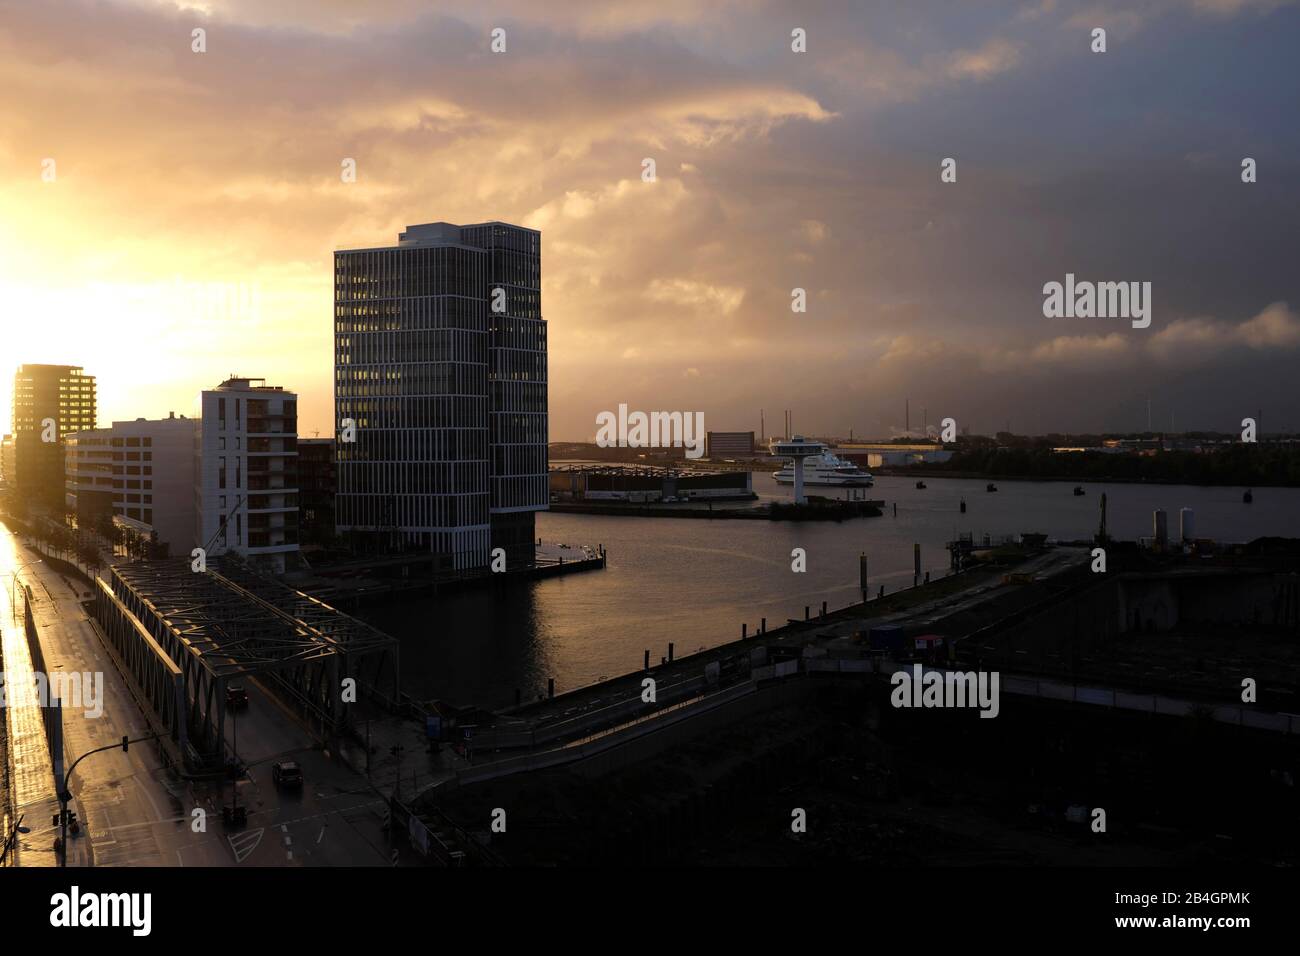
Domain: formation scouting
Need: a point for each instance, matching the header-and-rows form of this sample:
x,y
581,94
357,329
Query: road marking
x,y
320,835
246,843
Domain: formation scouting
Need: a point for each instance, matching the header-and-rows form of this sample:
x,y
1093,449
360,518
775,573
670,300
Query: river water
x,y
694,582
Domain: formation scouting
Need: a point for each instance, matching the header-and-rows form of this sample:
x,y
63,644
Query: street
x,y
133,812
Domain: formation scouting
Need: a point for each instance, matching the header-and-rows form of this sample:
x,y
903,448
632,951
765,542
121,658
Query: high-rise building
x,y
440,370
49,402
142,470
7,474
246,473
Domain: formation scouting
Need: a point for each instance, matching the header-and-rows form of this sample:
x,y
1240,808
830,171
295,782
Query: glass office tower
x,y
443,381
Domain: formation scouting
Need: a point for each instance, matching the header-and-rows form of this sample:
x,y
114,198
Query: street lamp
x,y
65,795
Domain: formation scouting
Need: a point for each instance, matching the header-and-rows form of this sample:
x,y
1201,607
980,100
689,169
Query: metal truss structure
x,y
187,635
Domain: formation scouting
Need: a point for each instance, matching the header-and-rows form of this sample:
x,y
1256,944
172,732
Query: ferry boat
x,y
826,469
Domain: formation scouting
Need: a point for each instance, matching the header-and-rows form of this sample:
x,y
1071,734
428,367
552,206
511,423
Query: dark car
x,y
236,697
286,774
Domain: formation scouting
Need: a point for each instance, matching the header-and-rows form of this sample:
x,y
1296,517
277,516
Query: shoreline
x,y
923,472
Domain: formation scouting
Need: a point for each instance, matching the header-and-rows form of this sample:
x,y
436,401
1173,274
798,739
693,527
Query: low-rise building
x,y
724,445
142,470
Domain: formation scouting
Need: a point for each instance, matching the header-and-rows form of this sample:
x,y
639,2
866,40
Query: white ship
x,y
826,469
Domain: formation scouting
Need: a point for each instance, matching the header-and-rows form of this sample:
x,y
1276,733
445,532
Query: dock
x,y
359,583
824,510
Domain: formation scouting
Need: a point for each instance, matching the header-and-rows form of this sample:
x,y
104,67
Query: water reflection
x,y
694,582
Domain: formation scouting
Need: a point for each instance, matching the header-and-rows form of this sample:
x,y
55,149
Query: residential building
x,y
142,470
440,372
49,402
246,473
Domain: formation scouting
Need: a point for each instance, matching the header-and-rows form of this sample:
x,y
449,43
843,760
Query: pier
x,y
824,509
359,582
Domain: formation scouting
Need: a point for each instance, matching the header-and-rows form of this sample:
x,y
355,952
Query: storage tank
x,y
1161,531
1187,525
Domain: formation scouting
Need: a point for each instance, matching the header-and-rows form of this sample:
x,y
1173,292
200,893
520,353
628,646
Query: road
x,y
134,812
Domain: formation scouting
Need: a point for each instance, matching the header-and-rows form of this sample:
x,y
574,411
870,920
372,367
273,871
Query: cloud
x,y
775,170
994,57
692,294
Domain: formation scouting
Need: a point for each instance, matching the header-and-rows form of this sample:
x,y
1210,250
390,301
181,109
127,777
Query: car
x,y
287,773
236,697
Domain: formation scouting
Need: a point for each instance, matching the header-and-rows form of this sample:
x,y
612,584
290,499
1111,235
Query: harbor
x,y
700,581
357,583
767,710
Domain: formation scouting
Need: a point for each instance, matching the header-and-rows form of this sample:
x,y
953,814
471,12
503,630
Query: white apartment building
x,y
142,470
246,472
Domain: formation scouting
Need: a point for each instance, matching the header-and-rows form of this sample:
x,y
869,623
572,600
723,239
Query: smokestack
x,y
907,417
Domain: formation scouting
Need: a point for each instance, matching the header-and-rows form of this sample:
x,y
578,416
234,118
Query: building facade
x,y
7,472
142,470
317,482
729,445
440,392
246,473
49,402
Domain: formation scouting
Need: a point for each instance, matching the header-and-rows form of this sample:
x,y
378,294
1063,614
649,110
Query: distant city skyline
x,y
197,200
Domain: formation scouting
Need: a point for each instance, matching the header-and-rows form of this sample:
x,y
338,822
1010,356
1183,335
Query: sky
x,y
186,232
